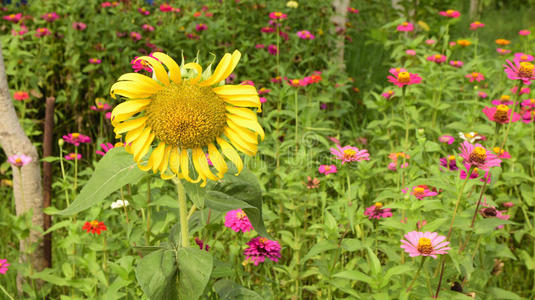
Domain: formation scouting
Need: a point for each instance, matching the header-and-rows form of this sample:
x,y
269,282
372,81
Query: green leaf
x,y
58,226
353,275
156,273
320,247
229,290
233,192
489,224
195,267
375,264
503,294
114,171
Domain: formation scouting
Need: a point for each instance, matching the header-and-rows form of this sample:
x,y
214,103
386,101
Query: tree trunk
x,y
28,195
473,9
340,18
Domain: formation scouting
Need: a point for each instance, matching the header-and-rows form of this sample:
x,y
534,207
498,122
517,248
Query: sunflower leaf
x,y
156,273
115,170
234,192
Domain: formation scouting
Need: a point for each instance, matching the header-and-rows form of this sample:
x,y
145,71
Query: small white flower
x,y
292,4
119,204
470,136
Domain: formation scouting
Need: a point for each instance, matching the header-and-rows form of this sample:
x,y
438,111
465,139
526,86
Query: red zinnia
x,y
94,227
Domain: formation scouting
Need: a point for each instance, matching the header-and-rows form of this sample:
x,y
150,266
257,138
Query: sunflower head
x,y
172,122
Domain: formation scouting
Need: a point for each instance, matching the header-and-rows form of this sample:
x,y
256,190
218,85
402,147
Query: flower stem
x,y
296,123
75,170
520,84
463,246
417,273
5,292
451,228
63,173
183,208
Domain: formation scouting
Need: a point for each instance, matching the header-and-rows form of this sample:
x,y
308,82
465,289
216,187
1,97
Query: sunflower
x,y
186,121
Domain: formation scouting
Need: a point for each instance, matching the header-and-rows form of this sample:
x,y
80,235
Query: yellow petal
x,y
184,167
140,141
129,94
174,162
195,67
134,87
242,122
201,164
236,55
244,133
231,154
146,167
217,160
217,76
172,66
238,142
166,176
133,134
235,90
129,107
242,112
130,125
165,162
140,78
156,156
243,101
145,148
158,69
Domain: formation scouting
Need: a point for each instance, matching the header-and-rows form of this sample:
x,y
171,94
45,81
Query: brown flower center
x,y
404,77
502,114
424,246
478,155
526,69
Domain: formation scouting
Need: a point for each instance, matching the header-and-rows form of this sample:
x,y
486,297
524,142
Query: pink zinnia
x,y
136,36
523,57
456,63
3,266
19,160
501,114
501,153
23,30
267,29
277,15
482,95
524,32
411,52
42,31
201,27
430,42
165,7
437,58
349,154
475,76
95,61
475,25
260,248
238,221
388,94
449,162
15,18
100,106
504,100
352,10
405,26
327,169
503,51
377,211
76,138
479,157
489,211
147,27
517,70
20,95
525,90
425,244
475,174
105,148
446,139
529,103
143,11
50,17
79,26
450,13
403,78
272,49
201,244
421,191
73,156
305,35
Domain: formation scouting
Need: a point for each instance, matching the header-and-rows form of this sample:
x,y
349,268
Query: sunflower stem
x,y
183,208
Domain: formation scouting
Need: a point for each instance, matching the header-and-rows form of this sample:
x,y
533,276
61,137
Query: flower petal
x,y
158,69
231,154
172,66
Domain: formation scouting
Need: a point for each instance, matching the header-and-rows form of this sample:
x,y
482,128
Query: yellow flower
x,y
292,4
183,119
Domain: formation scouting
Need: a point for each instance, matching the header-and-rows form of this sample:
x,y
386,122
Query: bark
x,y
473,9
13,140
340,18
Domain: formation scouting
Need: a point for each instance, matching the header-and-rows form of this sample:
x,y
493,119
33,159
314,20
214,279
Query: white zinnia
x,y
119,204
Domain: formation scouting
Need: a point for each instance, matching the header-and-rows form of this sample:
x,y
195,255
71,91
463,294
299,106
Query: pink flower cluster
x,y
349,154
238,221
377,211
76,138
305,35
261,248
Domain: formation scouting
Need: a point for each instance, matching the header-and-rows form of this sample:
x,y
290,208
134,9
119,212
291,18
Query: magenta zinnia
x,y
3,266
349,154
501,114
519,70
238,221
377,211
76,138
478,157
424,244
261,248
403,78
